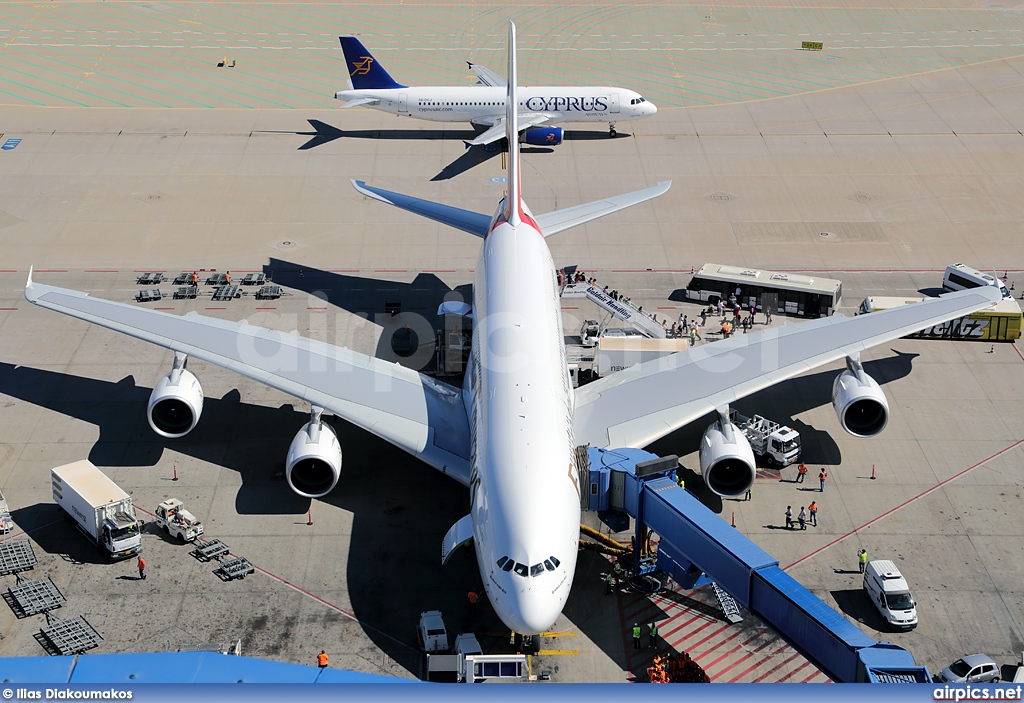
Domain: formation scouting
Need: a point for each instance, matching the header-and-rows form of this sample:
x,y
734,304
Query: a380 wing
x,y
634,407
414,412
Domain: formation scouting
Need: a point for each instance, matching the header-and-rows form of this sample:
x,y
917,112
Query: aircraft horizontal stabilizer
x,y
561,220
472,222
360,101
487,76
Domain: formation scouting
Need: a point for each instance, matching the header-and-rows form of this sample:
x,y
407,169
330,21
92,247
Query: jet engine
x,y
860,404
176,401
313,465
543,136
726,459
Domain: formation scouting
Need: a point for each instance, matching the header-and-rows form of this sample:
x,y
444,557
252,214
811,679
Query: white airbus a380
x,y
510,432
484,106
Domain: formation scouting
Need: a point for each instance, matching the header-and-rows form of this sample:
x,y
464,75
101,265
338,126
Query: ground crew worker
x,y
749,493
636,635
862,558
679,479
802,518
813,509
821,479
609,580
617,570
228,276
789,517
652,631
321,659
142,568
801,472
195,278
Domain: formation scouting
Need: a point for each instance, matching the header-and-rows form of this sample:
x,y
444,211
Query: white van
x,y
960,277
888,590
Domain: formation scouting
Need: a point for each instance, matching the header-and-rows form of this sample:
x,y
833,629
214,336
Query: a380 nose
x,y
532,613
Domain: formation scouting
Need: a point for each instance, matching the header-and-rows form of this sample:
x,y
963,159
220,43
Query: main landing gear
x,y
611,130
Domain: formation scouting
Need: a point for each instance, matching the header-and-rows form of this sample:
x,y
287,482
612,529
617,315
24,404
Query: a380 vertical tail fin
x,y
513,207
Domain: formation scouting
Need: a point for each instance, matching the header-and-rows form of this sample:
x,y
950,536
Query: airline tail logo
x,y
362,67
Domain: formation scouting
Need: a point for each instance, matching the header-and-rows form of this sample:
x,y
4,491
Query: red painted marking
x,y
1016,349
51,270
691,633
745,658
872,521
569,308
793,672
103,271
757,662
266,308
390,271
8,308
785,661
8,270
814,674
216,308
698,643
439,270
666,307
734,649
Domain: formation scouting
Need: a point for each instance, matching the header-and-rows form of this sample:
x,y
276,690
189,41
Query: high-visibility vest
x,y
636,632
321,659
142,563
472,597
654,630
863,557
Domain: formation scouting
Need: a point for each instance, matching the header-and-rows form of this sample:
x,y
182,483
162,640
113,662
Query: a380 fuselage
x,y
524,488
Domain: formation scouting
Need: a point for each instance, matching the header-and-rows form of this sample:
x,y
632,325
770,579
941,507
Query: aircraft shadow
x,y
377,301
781,403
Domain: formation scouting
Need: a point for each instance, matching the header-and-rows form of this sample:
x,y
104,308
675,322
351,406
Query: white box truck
x,y
99,508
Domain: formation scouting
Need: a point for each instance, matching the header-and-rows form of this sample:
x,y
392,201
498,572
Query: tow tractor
x,y
172,516
778,444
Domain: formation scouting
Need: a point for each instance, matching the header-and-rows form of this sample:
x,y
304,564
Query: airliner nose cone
x,y
536,615
651,107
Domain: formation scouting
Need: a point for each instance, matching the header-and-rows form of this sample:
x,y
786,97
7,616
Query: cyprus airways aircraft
x,y
484,106
510,432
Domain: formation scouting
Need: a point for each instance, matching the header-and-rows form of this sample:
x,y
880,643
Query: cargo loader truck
x,y
99,508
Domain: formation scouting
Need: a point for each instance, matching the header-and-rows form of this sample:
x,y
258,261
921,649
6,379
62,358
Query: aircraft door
x,y
403,103
613,103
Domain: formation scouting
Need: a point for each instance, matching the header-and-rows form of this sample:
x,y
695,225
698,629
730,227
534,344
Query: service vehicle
x,y
6,524
960,277
889,592
795,294
777,444
176,521
1002,322
99,508
977,668
431,632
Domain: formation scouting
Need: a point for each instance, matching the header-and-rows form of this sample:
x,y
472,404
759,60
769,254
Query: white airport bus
x,y
811,296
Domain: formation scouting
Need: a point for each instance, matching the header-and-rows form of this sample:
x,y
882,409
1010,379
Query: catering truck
x,y
99,508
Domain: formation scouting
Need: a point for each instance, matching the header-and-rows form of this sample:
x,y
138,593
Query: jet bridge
x,y
697,545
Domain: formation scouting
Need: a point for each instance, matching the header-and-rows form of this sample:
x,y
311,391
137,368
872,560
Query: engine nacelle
x,y
726,460
313,466
543,136
175,404
860,404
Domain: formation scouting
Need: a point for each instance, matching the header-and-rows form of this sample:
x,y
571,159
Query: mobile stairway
x,y
697,546
618,309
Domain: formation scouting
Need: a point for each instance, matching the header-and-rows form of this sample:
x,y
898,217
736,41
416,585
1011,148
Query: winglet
x,y
30,293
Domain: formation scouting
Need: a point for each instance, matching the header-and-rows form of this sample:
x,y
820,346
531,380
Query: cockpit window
x,y
508,565
536,570
554,561
548,565
521,569
501,562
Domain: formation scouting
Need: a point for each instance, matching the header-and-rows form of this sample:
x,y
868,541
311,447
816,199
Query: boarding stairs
x,y
728,603
619,309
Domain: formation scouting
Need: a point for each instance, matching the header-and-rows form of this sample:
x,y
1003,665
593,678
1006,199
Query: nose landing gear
x,y
611,130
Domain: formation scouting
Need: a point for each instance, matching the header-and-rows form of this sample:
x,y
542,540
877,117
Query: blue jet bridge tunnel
x,y
696,542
